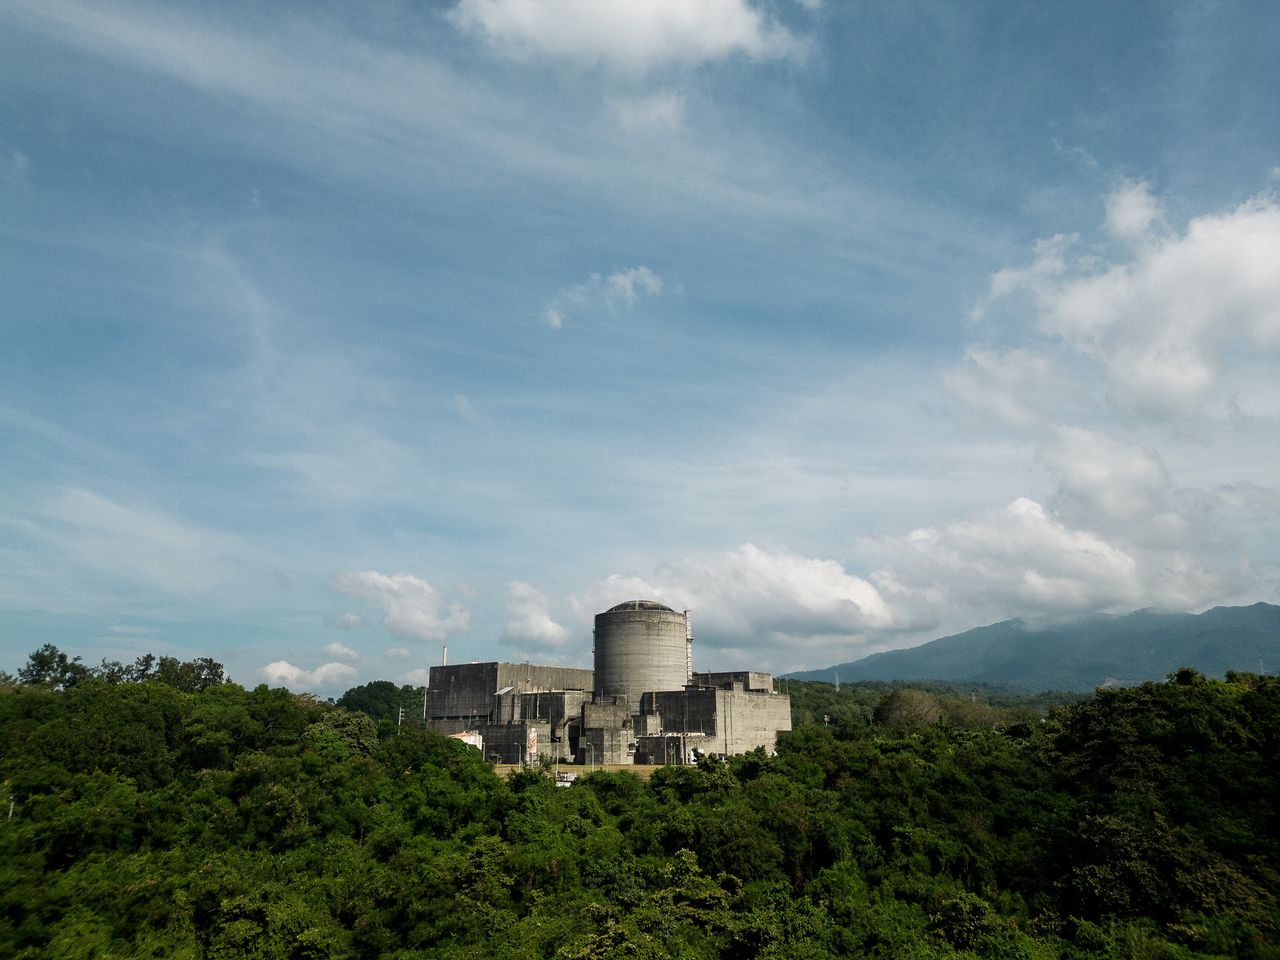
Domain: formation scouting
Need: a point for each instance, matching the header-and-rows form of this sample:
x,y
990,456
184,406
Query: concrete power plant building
x,y
640,646
642,703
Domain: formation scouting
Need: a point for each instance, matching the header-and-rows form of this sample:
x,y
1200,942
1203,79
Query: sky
x,y
333,334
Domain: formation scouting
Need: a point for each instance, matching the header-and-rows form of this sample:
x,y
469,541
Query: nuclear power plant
x,y
641,704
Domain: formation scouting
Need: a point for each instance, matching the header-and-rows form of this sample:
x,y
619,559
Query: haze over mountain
x,y
1085,653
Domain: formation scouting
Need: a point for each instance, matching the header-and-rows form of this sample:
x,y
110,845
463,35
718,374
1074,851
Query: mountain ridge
x,y
1083,653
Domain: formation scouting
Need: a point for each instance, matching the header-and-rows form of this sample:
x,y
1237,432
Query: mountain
x,y
1082,654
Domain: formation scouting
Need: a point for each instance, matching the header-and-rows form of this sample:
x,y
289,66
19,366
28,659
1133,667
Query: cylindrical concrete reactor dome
x,y
640,646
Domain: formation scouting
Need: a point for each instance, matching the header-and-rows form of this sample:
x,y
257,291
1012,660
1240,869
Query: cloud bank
x,y
1162,321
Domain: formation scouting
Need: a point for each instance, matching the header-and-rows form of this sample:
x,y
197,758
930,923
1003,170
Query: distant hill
x,y
1086,653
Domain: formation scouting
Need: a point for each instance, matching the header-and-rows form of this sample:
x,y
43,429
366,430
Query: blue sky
x,y
331,335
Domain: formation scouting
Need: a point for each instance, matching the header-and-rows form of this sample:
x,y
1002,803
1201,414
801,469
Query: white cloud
x,y
1164,323
1109,484
530,625
752,598
1018,559
1132,212
341,650
411,607
398,653
418,677
632,35
345,621
1177,318
327,676
626,285
620,290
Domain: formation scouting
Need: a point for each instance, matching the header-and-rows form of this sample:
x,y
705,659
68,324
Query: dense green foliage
x,y
390,705
1085,653
50,667
150,821
850,707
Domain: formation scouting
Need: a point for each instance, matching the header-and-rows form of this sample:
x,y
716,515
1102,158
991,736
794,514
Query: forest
x,y
157,810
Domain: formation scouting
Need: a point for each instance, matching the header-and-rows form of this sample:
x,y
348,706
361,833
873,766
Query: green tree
x,y
904,710
50,667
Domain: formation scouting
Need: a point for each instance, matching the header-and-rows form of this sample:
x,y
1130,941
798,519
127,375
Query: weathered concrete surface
x,y
732,721
744,679
638,649
465,691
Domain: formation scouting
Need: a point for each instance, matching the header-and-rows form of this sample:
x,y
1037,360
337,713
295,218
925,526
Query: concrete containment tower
x,y
640,647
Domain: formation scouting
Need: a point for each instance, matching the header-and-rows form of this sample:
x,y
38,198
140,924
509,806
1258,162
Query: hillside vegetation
x,y
153,821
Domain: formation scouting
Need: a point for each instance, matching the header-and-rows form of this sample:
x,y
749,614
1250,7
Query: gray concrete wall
x,y
606,733
558,708
732,720
750,720
746,679
528,677
463,690
692,710
638,651
466,690
605,745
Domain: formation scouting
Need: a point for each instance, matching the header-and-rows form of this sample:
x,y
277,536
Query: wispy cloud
x,y
655,113
467,410
137,544
15,166
411,607
617,291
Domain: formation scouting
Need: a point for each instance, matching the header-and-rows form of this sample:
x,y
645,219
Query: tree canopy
x,y
178,819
